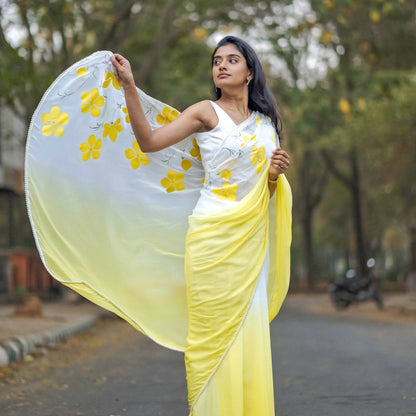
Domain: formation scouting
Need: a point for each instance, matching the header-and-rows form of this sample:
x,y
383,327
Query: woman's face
x,y
229,69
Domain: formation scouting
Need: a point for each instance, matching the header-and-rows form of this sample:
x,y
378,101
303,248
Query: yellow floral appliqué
x,y
258,158
82,71
136,156
126,111
186,164
110,78
91,101
195,151
227,192
258,120
91,148
246,139
167,116
226,175
112,129
54,122
173,181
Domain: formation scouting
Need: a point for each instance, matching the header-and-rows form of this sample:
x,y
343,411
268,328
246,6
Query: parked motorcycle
x,y
345,291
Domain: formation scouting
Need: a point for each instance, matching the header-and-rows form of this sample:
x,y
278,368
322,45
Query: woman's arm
x,y
279,163
192,120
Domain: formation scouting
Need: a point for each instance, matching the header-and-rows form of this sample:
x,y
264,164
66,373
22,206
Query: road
x,y
322,366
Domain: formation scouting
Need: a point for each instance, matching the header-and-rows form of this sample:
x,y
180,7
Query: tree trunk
x,y
412,261
360,241
308,249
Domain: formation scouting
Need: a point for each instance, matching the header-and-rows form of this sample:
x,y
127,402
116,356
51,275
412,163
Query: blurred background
x,y
343,73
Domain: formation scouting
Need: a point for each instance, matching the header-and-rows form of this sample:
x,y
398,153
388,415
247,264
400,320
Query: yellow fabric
x,y
243,384
225,253
280,241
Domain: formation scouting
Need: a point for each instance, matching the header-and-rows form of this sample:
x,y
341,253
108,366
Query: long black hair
x,y
260,97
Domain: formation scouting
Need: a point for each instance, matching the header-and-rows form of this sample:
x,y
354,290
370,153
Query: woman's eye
x,y
233,61
216,62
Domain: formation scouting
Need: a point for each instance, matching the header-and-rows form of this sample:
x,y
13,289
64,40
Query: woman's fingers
x,y
280,160
122,66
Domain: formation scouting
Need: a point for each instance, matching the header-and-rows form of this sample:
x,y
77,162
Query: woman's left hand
x,y
279,162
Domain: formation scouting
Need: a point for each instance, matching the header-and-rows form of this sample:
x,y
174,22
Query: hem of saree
x,y
113,307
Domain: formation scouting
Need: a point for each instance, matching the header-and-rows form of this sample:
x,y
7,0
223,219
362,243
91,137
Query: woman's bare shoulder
x,y
205,113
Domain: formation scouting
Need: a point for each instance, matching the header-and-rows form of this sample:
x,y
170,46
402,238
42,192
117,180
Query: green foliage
x,y
355,98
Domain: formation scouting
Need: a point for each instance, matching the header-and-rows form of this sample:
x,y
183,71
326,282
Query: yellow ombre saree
x,y
176,242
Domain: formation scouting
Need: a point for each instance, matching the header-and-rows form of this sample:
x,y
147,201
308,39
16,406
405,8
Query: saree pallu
x,y
111,222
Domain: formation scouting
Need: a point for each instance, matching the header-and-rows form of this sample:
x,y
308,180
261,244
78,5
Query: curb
x,y
16,349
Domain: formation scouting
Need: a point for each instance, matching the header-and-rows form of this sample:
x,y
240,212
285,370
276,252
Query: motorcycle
x,y
354,289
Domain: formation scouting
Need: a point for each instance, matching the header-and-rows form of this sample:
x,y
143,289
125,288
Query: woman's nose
x,y
222,66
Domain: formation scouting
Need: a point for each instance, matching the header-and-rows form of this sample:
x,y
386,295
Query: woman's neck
x,y
235,102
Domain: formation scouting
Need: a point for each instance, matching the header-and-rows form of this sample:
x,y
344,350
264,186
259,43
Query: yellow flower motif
x,y
173,181
274,138
112,129
226,175
136,156
227,192
195,151
258,158
82,71
344,106
91,148
126,111
91,101
186,164
247,139
167,116
54,122
258,120
110,78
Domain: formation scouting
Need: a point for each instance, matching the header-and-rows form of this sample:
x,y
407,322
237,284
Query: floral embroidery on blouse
x,y
258,158
227,192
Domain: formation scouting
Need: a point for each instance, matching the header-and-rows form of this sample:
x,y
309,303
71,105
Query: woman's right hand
x,y
124,74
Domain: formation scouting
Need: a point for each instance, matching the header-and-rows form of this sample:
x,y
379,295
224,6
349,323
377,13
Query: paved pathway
x,y
323,366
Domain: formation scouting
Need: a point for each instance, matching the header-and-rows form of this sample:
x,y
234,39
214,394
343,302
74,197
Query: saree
x,y
123,228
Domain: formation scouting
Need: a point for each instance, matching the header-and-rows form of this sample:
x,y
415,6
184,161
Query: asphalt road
x,y
323,367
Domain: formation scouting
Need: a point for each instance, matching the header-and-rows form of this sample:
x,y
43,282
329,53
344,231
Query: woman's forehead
x,y
229,49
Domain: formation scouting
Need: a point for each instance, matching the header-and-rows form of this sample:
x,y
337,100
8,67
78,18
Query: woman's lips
x,y
223,75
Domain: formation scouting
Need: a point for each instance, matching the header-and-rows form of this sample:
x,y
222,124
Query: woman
x,y
138,272
240,85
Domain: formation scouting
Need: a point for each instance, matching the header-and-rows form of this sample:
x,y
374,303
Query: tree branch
x,y
124,13
342,177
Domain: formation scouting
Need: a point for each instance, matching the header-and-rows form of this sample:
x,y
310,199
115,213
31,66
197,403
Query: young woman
x,y
217,164
228,366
